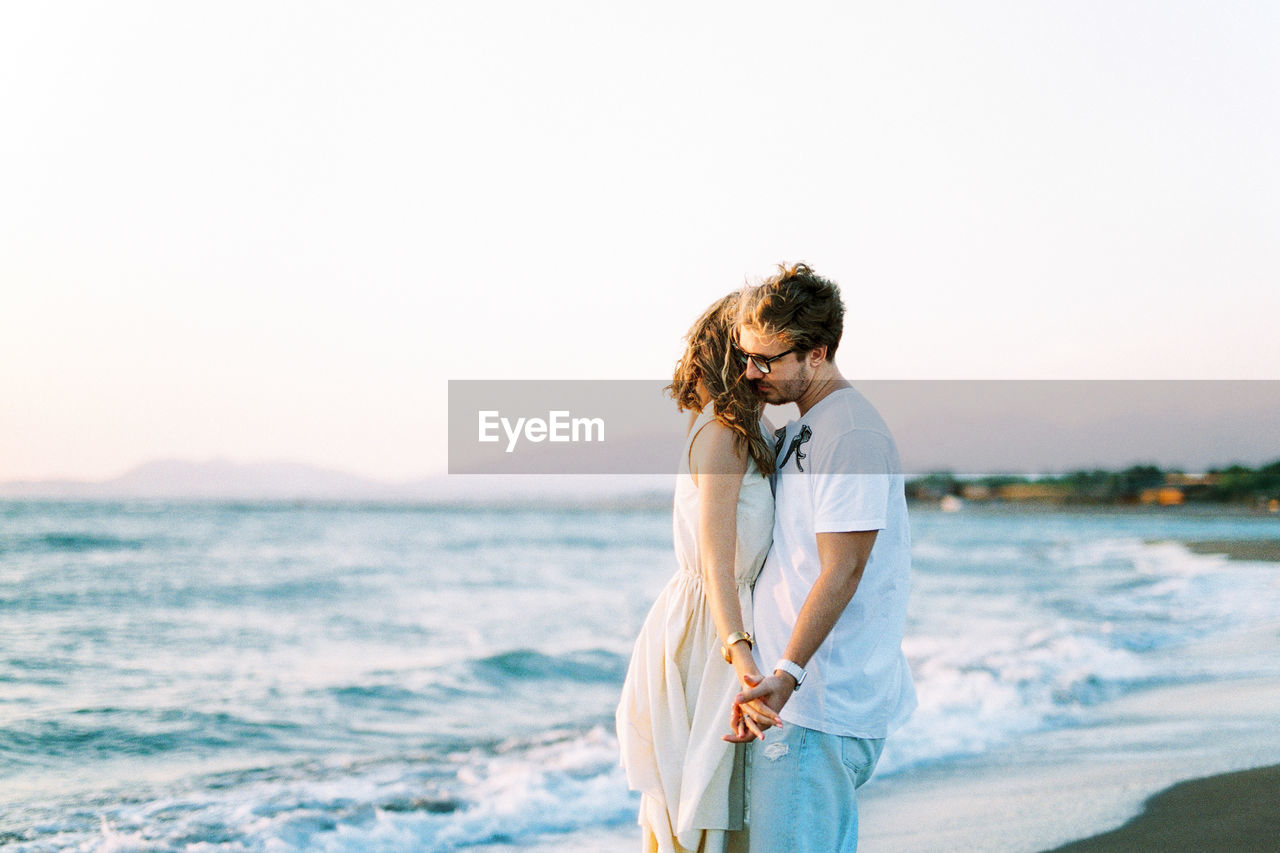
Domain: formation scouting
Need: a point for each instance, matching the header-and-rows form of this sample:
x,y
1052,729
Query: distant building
x,y
1163,496
1178,488
1185,480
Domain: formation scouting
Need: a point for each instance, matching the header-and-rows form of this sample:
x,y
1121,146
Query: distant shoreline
x,y
1192,510
639,499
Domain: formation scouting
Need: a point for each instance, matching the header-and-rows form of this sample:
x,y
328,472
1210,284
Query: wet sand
x,y
1232,812
1052,788
1126,779
1182,767
1262,550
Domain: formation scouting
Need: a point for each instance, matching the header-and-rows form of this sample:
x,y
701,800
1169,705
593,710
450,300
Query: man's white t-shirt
x,y
838,471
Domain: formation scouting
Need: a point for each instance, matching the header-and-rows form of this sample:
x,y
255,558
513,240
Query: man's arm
x,y
843,557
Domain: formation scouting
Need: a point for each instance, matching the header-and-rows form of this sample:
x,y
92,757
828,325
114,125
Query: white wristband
x,y
792,669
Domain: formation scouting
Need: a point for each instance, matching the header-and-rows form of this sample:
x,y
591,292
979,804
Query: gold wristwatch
x,y
736,637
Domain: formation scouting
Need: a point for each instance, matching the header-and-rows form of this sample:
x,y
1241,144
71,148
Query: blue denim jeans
x,y
802,790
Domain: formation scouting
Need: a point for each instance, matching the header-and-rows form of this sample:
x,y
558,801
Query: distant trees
x,y
1239,484
1135,484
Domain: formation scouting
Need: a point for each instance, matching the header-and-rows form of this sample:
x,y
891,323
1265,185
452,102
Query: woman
x,y
694,650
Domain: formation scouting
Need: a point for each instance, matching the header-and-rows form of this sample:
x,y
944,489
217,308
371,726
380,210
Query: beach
x,y
1185,767
1231,812
1196,770
1256,550
1051,790
1179,767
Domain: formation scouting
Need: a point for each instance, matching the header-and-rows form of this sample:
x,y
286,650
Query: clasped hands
x,y
756,708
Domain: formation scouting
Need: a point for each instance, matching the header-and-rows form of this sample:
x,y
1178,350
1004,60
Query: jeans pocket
x,y
860,755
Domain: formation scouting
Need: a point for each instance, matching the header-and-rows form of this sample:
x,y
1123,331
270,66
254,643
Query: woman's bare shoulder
x,y
715,450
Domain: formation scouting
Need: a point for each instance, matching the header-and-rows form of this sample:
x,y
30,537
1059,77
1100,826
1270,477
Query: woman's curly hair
x,y
712,356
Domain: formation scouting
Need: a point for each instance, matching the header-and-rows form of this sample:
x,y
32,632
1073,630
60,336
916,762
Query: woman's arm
x,y
717,467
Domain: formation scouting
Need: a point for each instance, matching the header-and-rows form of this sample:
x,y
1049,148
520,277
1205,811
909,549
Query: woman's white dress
x,y
679,690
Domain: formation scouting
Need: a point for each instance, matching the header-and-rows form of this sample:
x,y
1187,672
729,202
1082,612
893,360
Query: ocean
x,y
206,676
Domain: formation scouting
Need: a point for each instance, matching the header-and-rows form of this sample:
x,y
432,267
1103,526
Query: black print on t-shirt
x,y
805,435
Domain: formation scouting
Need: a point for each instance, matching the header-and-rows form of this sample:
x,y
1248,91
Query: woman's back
x,y
755,516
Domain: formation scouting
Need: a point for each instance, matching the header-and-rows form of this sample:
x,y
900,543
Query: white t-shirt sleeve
x,y
851,482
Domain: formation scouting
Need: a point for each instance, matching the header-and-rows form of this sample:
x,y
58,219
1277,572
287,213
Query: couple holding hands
x,y
770,669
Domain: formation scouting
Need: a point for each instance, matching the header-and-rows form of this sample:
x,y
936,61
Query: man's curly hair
x,y
797,306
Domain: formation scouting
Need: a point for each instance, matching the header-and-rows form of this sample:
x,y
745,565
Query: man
x,y
831,599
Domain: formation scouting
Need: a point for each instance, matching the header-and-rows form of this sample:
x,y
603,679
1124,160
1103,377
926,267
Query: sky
x,y
263,231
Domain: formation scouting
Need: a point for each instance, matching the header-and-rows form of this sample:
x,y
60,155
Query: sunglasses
x,y
763,363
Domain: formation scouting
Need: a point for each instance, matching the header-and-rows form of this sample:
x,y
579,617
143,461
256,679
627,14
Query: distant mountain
x,y
634,490
214,478
223,479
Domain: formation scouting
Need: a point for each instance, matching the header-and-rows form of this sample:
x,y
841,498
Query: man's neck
x,y
826,381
